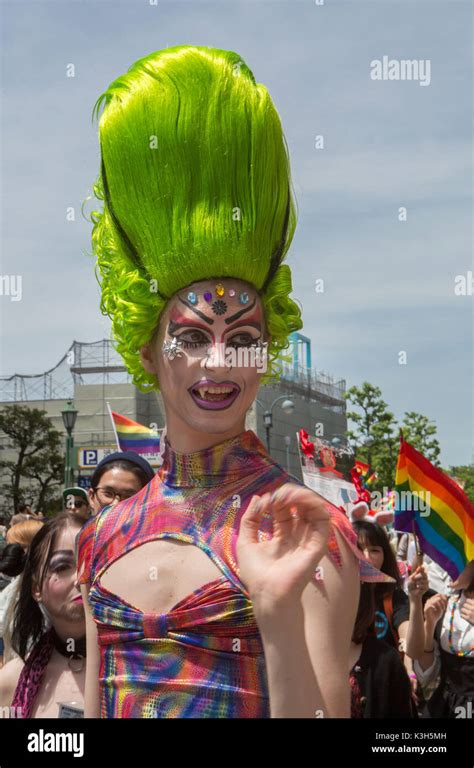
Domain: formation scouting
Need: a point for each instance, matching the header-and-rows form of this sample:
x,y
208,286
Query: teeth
x,y
214,390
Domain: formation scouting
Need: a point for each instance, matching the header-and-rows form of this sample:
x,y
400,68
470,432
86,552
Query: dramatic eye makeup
x,y
61,561
193,337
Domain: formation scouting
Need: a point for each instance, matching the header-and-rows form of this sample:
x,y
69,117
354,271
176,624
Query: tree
x,y
466,474
373,423
376,434
39,457
419,432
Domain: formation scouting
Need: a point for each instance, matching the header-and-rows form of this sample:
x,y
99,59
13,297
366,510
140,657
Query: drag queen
x,y
223,588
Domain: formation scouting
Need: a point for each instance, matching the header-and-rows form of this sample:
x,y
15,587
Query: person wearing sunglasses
x,y
76,500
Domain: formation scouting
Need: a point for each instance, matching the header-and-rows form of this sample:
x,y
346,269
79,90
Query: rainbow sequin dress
x,y
184,663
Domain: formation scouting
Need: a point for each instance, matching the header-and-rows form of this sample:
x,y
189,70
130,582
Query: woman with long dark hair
x,y
398,616
448,656
380,686
48,628
19,536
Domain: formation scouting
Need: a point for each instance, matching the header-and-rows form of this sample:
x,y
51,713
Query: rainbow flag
x,y
432,505
132,436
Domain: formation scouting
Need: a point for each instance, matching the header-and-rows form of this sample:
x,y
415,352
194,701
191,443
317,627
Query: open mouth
x,y
211,396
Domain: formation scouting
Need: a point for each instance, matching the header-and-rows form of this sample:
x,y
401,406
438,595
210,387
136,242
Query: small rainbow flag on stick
x,y
131,436
431,505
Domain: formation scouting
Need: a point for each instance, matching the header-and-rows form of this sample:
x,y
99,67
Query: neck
x,y
68,631
185,439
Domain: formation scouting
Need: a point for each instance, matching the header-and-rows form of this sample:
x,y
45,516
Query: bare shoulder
x,y
9,675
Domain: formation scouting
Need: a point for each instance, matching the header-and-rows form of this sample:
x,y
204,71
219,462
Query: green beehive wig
x,y
195,184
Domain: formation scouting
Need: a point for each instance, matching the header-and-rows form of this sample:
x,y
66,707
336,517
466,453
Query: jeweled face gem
x,y
244,298
220,290
207,296
192,298
232,293
219,307
172,348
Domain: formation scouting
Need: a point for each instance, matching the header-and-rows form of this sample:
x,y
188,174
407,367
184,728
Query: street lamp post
x,y
287,444
288,407
69,415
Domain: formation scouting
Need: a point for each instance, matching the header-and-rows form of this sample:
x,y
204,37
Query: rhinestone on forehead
x,y
219,307
220,290
244,298
208,296
192,297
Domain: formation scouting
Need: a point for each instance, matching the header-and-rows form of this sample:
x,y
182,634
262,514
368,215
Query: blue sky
x,y
389,285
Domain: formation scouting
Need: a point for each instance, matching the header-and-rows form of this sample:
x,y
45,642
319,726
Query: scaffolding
x,y
99,362
96,362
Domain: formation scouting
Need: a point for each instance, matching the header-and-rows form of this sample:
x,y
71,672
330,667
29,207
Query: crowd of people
x,y
412,648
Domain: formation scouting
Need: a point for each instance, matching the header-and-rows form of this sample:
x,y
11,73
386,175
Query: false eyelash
x,y
193,344
251,343
196,344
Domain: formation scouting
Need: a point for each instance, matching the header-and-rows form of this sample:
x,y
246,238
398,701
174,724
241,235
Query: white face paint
x,y
209,354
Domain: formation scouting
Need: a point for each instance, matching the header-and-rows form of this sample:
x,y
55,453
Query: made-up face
x,y
60,594
209,354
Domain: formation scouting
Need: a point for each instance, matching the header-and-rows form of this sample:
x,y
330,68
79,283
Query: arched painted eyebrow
x,y
240,312
200,314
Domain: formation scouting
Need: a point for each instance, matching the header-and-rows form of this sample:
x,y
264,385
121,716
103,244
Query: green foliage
x,y
34,476
419,432
466,474
375,436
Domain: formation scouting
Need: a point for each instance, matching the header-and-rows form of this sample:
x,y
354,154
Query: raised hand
x,y
276,571
467,611
435,608
418,582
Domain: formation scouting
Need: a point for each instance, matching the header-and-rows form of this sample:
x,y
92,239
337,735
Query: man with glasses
x,y
117,477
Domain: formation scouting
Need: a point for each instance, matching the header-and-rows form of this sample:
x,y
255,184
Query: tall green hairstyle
x,y
195,184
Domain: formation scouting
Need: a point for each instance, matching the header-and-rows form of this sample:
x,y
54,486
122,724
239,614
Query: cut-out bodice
x,y
204,657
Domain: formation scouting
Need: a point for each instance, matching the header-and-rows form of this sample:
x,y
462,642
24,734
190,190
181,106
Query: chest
x,y
157,575
60,685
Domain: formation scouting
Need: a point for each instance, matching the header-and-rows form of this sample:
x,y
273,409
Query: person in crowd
x,y
76,500
22,535
18,518
12,561
23,532
399,616
118,476
380,686
446,668
48,676
203,587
